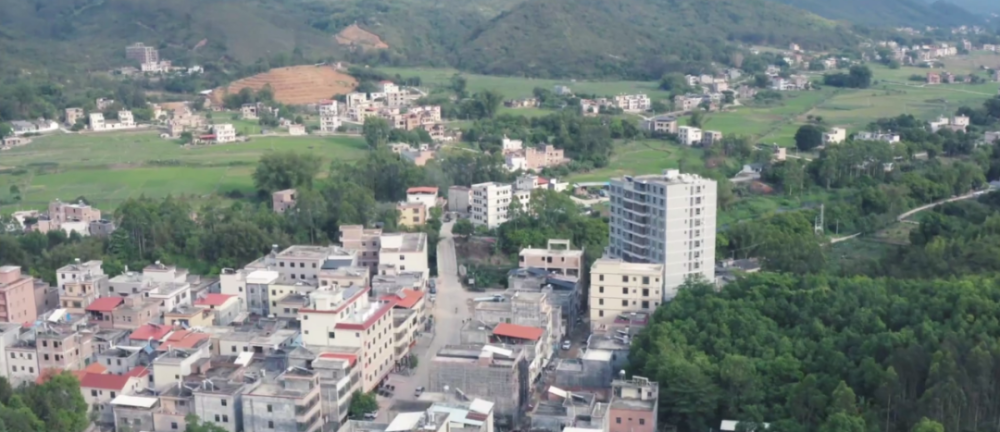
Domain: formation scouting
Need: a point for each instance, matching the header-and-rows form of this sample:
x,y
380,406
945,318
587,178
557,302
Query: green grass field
x,y
514,87
642,157
108,168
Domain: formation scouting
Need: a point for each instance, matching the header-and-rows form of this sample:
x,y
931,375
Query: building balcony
x,y
302,411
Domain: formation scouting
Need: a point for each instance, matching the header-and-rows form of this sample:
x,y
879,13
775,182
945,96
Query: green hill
x,y
546,38
888,12
571,37
978,6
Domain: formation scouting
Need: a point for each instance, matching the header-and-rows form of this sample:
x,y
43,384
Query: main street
x,y
450,297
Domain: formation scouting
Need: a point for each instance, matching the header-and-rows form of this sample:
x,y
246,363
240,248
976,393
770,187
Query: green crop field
x,y
108,168
513,87
642,157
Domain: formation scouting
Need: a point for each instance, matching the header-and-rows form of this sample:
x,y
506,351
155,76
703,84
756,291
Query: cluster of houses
x,y
488,204
517,157
687,135
79,218
149,62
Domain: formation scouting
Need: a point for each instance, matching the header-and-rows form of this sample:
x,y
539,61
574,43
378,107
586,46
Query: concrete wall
x,y
257,418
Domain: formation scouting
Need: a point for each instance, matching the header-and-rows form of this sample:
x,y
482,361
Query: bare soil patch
x,y
358,37
295,85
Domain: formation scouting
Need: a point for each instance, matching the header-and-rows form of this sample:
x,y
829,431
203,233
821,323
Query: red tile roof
x,y
155,331
105,304
46,374
408,299
518,331
182,339
351,358
543,180
104,381
422,189
213,300
138,371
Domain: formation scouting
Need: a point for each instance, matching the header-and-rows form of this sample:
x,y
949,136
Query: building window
x,y
173,425
642,421
645,280
270,409
225,402
233,348
600,302
600,313
624,302
331,335
625,290
645,292
270,424
601,278
93,392
281,264
302,265
113,395
600,290
216,418
618,420
645,304
225,419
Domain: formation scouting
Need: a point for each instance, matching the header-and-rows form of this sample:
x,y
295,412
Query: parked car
x,y
419,391
371,416
567,344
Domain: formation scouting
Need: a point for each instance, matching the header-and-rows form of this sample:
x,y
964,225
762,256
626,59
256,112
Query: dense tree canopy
x,y
818,353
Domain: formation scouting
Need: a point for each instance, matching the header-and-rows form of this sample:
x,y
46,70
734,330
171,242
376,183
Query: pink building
x,y
633,405
283,200
17,296
60,212
540,157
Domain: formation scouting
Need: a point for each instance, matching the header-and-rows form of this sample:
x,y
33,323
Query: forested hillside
x,y
546,38
807,353
916,13
635,37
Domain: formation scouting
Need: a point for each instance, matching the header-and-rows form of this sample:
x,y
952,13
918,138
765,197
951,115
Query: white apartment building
x,y
224,133
348,319
490,202
403,252
328,112
665,219
125,121
618,288
689,135
633,103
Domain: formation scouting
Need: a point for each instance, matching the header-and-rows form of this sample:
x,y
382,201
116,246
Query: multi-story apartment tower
x,y
491,201
665,219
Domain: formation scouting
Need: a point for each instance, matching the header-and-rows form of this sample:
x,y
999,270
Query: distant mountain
x,y
889,12
977,7
587,37
544,38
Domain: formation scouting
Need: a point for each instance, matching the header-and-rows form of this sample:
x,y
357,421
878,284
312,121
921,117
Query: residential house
x,y
283,200
634,404
10,142
297,130
459,199
888,137
226,309
364,241
620,288
632,103
329,119
562,90
484,371
99,389
74,115
834,135
224,133
710,138
141,54
689,135
411,214
933,78
490,202
662,124
521,103
249,111
17,295
687,102
39,126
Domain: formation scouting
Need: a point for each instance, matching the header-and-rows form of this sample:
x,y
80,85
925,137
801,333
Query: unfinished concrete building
x,y
634,404
498,374
563,291
590,372
564,409
290,402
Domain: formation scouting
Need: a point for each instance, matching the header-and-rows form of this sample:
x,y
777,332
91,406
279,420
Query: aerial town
x,y
532,216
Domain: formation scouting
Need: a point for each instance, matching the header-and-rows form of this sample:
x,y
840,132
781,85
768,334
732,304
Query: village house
x,y
74,115
22,127
283,200
888,137
662,124
589,108
99,124
10,142
688,102
141,54
296,130
223,133
710,138
535,158
328,116
632,103
688,135
933,78
835,135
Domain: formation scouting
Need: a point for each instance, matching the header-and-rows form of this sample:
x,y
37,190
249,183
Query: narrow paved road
x,y
447,323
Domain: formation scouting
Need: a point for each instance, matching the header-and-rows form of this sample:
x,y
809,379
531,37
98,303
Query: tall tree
x,y
285,170
376,131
